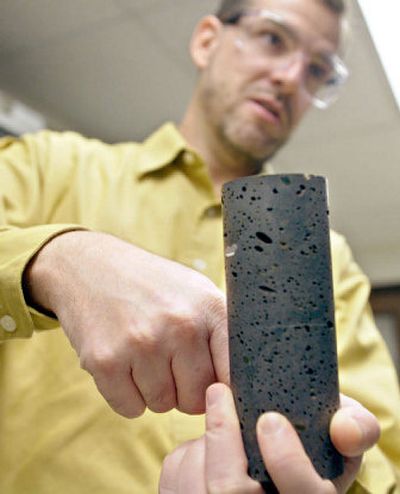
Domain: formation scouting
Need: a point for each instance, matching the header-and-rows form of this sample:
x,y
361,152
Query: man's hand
x,y
217,464
150,331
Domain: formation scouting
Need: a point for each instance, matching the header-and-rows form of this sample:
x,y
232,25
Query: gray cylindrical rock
x,y
281,312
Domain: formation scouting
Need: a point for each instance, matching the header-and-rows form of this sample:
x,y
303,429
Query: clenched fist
x,y
150,331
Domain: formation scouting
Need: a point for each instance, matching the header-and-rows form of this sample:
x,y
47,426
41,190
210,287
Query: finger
x,y
192,467
152,374
226,462
351,467
169,478
354,429
285,459
217,324
193,372
121,392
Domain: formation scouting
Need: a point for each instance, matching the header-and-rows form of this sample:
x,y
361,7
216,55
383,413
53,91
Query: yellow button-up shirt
x,y
57,435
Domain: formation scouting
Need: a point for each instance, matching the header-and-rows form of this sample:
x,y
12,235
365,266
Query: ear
x,y
204,40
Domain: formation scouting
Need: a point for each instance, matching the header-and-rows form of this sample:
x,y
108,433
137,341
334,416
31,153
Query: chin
x,y
253,141
259,149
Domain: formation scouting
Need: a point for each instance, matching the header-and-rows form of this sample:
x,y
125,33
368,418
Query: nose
x,y
288,74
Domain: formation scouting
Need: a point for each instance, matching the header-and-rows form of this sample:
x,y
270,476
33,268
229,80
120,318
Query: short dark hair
x,y
229,8
338,6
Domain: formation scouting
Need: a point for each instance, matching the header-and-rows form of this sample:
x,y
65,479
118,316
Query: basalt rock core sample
x,y
281,313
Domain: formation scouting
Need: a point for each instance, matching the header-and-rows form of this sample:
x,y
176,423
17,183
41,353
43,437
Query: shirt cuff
x,y
18,246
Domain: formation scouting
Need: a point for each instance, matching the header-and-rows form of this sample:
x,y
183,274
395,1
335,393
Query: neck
x,y
223,161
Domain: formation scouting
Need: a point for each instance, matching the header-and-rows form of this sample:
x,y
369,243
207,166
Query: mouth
x,y
268,109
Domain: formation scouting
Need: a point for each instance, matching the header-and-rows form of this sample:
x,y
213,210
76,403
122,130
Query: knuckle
x,y
135,412
215,312
178,317
99,361
192,408
216,305
192,401
161,402
218,423
131,407
132,411
184,324
285,461
146,341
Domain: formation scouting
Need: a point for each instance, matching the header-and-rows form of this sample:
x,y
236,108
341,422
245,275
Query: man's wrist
x,y
43,272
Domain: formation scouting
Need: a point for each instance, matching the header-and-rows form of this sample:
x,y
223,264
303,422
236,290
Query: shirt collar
x,y
160,149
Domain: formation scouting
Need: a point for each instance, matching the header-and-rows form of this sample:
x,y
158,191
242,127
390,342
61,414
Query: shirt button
x,y
199,264
8,324
188,158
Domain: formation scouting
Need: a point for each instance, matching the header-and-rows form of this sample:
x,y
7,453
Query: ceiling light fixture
x,y
382,19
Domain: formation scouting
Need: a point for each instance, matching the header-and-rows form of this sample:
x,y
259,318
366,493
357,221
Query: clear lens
x,y
270,37
274,39
329,92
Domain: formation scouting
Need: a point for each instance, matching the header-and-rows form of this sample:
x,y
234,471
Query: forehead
x,y
312,19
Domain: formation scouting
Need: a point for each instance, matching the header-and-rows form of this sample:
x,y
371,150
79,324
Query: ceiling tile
x,y
161,21
26,23
114,90
138,6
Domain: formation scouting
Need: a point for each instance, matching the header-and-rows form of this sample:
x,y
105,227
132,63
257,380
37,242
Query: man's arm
x,y
24,204
150,331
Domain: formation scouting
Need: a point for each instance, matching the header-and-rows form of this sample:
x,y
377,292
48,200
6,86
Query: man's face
x,y
252,102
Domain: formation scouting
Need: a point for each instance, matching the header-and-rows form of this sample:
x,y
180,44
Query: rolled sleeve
x,y
18,246
33,180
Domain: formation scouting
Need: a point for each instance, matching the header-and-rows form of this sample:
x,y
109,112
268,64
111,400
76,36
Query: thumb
x,y
354,430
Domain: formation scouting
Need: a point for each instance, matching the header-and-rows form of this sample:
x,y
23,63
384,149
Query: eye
x,y
273,40
320,72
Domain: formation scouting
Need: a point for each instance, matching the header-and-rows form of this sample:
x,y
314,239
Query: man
x,y
97,237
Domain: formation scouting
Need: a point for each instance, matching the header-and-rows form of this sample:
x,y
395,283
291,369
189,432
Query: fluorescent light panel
x,y
382,18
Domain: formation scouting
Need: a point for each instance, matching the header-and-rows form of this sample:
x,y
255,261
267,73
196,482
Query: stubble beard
x,y
248,144
255,146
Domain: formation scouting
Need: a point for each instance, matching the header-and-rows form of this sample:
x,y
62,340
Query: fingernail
x,y
214,394
272,423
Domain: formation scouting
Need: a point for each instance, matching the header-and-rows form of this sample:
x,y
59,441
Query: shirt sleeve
x,y
366,371
24,205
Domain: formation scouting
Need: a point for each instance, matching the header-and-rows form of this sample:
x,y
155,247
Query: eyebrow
x,y
279,20
276,18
